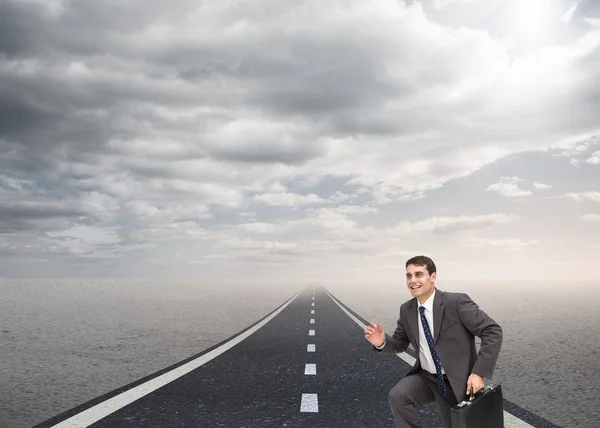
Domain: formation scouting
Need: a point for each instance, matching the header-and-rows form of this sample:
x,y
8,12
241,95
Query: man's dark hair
x,y
422,261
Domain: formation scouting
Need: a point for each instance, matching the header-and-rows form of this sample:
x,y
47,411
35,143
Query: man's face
x,y
419,282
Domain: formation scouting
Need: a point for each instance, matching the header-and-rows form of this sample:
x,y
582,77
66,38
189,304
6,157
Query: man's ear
x,y
433,276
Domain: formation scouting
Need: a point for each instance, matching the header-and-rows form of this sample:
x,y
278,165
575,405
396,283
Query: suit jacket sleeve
x,y
490,332
398,342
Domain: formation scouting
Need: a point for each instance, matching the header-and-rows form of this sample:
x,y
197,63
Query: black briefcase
x,y
482,410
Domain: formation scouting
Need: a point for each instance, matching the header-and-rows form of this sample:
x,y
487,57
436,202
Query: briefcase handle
x,y
473,396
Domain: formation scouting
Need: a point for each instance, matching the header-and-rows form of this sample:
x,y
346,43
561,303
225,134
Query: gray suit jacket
x,y
457,320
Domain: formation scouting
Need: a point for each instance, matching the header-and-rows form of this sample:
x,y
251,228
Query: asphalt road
x,y
306,364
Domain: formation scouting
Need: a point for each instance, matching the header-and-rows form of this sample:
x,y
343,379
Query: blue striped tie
x,y
436,358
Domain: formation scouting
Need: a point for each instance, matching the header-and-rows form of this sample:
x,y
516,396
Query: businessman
x,y
442,327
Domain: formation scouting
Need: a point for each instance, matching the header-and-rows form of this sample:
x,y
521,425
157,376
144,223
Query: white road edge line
x,y
510,421
105,408
311,347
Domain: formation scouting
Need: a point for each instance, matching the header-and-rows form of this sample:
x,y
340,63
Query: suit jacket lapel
x,y
414,323
438,312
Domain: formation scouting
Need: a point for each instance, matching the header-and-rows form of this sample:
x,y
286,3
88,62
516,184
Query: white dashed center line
x,y
310,403
310,369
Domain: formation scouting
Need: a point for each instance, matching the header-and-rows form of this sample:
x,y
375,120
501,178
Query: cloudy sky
x,y
299,140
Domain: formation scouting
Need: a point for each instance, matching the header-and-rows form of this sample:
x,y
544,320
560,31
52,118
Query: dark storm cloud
x,y
21,115
18,29
268,154
336,79
313,73
69,115
30,216
81,28
28,210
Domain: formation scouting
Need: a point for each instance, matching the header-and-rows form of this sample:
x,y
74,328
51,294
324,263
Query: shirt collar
x,y
428,303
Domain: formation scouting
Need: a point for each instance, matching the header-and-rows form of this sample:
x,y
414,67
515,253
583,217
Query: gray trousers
x,y
413,392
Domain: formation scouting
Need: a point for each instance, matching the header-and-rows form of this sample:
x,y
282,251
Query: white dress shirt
x,y
424,352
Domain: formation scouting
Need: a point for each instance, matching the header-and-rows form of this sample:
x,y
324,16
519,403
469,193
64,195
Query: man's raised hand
x,y
375,334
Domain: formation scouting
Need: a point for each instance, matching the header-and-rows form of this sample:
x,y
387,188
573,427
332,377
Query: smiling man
x,y
442,327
